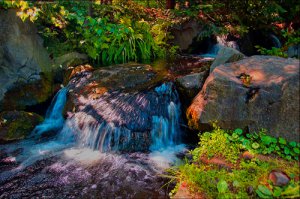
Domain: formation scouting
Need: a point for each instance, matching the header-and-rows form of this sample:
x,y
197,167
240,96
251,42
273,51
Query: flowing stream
x,y
98,151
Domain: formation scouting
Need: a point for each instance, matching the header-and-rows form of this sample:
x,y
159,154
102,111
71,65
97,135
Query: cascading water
x,y
127,121
54,120
165,131
221,41
35,150
81,154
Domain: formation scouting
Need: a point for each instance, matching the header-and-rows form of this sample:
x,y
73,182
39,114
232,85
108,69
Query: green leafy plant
x,y
273,51
290,37
214,144
290,191
222,186
25,9
111,34
265,144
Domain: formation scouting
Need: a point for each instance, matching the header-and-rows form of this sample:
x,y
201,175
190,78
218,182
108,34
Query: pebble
x,y
279,178
250,190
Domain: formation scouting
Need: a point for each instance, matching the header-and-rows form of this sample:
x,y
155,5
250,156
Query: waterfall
x,y
120,121
34,150
78,154
54,120
166,130
221,41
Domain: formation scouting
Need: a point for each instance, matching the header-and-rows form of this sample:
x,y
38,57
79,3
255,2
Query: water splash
x,y
101,136
223,41
54,120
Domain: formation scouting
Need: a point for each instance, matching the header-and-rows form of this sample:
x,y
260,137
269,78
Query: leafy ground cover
x,y
232,164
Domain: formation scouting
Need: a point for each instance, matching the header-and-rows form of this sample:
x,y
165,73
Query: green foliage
x,y
110,34
265,144
291,38
214,144
25,8
273,51
210,29
222,186
289,191
218,182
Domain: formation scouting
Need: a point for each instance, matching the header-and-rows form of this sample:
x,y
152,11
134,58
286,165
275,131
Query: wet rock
x,y
116,108
279,178
22,60
23,95
15,125
226,55
274,105
190,85
80,70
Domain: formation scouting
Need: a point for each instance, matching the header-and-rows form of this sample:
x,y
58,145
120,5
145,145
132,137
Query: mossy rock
x,y
28,94
16,125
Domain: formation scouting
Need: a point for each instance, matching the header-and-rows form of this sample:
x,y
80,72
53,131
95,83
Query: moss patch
x,y
15,125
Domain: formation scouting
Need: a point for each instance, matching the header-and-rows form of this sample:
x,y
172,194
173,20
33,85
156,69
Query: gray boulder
x,y
190,85
294,51
185,33
271,101
226,55
22,55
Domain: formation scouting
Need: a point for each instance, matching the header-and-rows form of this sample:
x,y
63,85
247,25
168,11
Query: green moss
x,y
19,129
18,124
29,94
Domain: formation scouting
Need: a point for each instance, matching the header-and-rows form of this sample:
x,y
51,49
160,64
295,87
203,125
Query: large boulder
x,y
226,55
185,33
269,100
16,125
23,61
